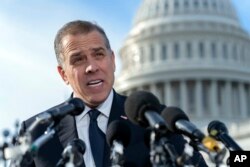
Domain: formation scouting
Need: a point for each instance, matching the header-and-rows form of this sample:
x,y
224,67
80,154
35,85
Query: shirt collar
x,y
104,107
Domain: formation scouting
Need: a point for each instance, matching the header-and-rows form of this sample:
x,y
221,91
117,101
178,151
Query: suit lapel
x,y
67,130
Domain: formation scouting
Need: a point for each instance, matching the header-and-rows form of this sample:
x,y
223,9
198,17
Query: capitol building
x,y
193,54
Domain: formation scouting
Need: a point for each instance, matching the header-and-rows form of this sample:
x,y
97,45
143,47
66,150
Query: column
x,y
198,98
167,93
214,98
154,90
243,104
228,100
184,103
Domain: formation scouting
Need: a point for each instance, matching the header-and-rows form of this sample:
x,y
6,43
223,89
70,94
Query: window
x,y
214,4
222,6
201,49
235,52
186,4
176,4
152,53
156,9
213,50
224,50
166,6
163,52
205,4
242,55
189,50
196,3
142,55
176,51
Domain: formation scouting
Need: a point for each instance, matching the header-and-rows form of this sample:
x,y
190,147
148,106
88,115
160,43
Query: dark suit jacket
x,y
136,152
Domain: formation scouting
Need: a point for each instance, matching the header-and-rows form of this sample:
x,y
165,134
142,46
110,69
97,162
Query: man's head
x,y
85,61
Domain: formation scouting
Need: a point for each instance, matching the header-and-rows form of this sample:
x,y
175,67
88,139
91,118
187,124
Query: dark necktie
x,y
96,138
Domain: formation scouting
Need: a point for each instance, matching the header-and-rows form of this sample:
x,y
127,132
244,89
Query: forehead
x,y
83,38
83,42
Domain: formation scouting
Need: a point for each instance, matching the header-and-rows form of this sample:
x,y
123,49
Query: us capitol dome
x,y
193,54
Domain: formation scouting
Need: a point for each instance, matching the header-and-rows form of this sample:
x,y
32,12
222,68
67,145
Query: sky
x,y
29,82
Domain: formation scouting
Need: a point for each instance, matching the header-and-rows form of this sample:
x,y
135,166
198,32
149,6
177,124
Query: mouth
x,y
95,83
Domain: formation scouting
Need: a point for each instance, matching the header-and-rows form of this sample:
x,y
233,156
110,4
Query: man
x,y
87,63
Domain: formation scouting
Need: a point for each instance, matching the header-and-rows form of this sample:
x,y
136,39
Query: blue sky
x,y
29,81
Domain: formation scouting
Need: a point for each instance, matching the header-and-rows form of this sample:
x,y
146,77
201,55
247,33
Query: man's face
x,y
88,67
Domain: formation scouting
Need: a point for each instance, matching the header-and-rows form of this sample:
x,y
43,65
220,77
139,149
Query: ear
x,y
62,74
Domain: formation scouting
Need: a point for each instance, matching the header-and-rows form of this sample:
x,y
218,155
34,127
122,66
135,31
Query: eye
x,y
99,54
77,60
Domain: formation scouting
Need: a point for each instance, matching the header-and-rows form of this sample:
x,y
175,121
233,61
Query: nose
x,y
91,67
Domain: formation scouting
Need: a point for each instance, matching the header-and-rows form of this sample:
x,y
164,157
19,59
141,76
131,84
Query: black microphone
x,y
143,108
177,121
118,137
73,106
73,153
219,131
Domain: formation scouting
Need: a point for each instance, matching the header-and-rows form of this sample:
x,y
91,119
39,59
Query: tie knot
x,y
93,114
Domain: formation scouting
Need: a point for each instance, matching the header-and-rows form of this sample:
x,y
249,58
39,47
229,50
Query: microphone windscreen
x,y
78,104
171,115
120,131
138,103
78,144
216,127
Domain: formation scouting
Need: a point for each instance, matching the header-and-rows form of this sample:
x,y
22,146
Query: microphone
x,y
118,137
178,121
73,106
143,108
72,154
219,131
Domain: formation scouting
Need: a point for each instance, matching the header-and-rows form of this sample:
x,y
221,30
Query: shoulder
x,y
119,97
37,130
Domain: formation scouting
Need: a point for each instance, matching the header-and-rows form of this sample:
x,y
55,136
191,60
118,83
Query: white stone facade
x,y
192,54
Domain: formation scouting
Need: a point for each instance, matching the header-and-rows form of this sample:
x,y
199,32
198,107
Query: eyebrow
x,y
75,54
78,53
98,49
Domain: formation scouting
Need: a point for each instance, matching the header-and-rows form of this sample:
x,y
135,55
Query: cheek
x,y
110,69
76,75
111,65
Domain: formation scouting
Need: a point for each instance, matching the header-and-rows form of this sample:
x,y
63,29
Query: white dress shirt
x,y
82,125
